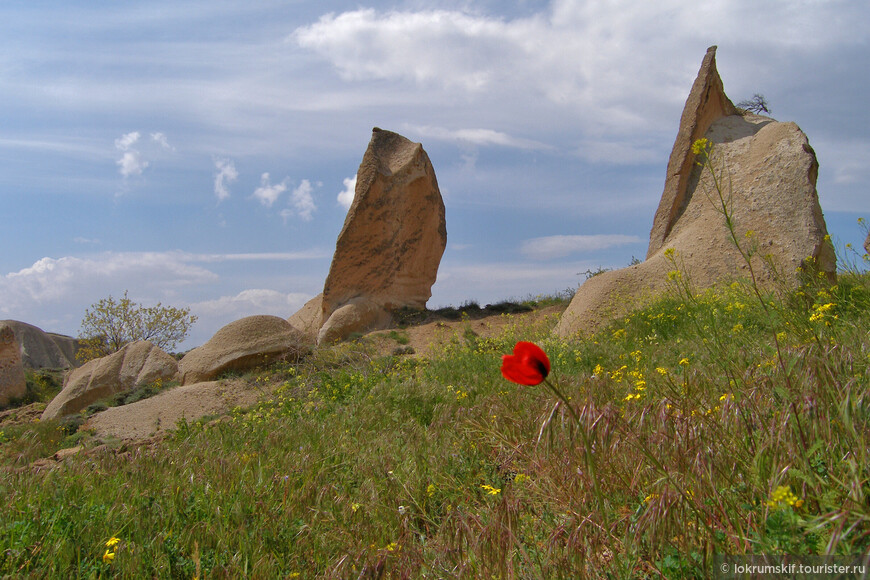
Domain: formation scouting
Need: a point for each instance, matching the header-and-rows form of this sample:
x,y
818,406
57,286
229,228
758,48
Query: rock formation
x,y
41,350
164,410
12,381
241,345
388,251
309,318
138,363
772,172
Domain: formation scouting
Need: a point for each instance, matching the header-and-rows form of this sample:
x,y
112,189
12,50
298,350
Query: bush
x,y
109,325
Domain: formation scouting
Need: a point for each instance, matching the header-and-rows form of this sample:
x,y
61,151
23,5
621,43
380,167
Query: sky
x,y
202,153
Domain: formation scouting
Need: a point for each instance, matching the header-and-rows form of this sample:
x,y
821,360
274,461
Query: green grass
x,y
710,423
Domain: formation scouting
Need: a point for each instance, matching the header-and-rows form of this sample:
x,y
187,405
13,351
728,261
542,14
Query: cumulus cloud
x,y
133,161
364,44
56,279
345,197
161,140
53,293
609,63
302,200
550,247
226,173
127,140
267,193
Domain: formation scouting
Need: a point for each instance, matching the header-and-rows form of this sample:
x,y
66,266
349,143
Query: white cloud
x,y
478,137
160,139
617,66
250,302
265,256
267,193
131,163
127,140
55,280
226,173
345,197
53,293
364,44
550,247
302,200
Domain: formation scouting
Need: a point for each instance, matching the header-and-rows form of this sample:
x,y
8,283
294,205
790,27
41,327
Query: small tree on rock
x,y
757,104
109,325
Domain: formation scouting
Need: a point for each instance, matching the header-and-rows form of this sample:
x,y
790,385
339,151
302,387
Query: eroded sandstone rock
x,y
241,345
772,173
12,382
40,349
138,363
394,235
308,319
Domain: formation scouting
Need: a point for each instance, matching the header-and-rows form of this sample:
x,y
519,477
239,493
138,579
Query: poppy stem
x,y
590,458
562,398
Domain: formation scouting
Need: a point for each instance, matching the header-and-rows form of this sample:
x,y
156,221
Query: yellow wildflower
x,y
700,146
113,541
108,557
491,490
782,496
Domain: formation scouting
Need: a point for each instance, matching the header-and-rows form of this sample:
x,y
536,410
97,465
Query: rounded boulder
x,y
242,345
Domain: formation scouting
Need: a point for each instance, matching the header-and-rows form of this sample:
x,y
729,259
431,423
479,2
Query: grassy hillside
x,y
715,422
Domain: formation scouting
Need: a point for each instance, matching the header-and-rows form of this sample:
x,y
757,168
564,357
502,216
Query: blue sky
x,y
199,153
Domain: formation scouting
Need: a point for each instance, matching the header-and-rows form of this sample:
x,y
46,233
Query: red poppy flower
x,y
528,365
